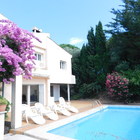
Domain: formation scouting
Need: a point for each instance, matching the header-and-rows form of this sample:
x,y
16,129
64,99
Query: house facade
x,y
52,70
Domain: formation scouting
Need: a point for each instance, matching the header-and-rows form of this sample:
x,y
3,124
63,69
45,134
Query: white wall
x,y
43,62
54,55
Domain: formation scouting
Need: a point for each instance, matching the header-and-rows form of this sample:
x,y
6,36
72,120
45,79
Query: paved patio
x,y
18,137
81,105
16,134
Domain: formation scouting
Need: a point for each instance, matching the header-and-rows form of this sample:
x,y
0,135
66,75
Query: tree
x,y
16,52
92,60
90,46
124,43
73,50
101,57
100,39
86,56
125,30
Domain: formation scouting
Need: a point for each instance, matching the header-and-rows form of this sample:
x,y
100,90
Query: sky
x,y
67,21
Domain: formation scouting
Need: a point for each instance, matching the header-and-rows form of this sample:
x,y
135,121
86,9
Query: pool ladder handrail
x,y
98,102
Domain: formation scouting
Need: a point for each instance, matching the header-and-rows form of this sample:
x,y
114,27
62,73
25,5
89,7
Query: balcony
x,y
41,73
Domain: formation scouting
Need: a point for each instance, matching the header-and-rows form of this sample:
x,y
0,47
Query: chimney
x,y
36,30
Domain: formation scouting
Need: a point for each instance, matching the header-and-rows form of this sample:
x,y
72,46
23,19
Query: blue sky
x,y
67,21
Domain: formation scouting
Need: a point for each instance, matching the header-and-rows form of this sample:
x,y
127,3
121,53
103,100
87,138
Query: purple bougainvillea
x,y
16,52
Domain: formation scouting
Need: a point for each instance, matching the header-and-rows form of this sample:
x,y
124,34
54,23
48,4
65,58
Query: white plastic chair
x,y
67,105
46,111
31,113
58,108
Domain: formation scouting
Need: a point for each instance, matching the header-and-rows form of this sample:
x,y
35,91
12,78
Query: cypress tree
x,y
100,39
92,60
91,42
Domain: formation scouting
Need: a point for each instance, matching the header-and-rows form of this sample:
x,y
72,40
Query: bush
x,y
124,65
117,86
134,80
89,90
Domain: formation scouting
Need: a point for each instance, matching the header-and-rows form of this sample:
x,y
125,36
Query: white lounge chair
x,y
67,105
58,108
46,111
31,113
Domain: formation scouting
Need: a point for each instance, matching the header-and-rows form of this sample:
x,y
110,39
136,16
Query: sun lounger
x,y
58,108
31,113
66,105
46,111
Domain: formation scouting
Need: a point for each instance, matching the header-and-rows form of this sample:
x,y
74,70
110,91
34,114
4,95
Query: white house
x,y
53,69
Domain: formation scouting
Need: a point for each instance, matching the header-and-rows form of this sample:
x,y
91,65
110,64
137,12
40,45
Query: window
x,y
62,64
38,56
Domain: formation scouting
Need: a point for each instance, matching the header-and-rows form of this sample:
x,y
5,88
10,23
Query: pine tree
x,y
100,39
125,32
124,43
100,43
91,42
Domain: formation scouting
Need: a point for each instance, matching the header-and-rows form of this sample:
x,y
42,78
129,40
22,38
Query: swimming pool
x,y
111,123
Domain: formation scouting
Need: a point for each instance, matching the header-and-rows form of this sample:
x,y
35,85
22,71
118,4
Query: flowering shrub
x,y
16,52
117,86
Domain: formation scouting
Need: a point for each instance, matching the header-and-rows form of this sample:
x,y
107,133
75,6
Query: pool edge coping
x,y
41,131
42,134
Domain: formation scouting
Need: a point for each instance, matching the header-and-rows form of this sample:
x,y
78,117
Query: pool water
x,y
113,123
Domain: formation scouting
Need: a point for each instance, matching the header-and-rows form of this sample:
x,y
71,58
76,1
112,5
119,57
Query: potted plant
x,y
4,104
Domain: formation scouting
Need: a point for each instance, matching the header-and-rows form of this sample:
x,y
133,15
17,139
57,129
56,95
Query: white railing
x,y
98,103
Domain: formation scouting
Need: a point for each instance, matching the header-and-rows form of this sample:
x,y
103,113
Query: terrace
x,y
81,105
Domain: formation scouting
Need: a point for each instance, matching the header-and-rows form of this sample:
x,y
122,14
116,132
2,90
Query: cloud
x,y
74,41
